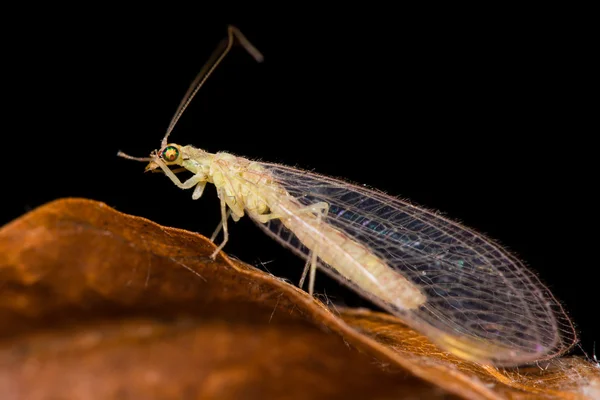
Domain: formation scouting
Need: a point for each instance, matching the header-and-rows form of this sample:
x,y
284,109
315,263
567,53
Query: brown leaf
x,y
99,304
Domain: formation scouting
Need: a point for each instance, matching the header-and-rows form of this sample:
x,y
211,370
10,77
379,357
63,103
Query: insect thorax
x,y
245,180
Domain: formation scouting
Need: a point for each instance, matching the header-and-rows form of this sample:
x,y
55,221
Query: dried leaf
x,y
99,304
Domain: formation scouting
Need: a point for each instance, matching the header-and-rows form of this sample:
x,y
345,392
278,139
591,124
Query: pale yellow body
x,y
245,186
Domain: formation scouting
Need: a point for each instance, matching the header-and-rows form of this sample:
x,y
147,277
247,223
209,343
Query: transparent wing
x,y
482,303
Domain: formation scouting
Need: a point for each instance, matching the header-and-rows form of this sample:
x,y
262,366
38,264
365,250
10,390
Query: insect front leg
x,y
175,171
198,179
199,190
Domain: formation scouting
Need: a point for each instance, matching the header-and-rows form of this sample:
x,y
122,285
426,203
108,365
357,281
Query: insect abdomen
x,y
354,261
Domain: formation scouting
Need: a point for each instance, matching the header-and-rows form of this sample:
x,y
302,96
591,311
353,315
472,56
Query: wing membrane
x,y
480,299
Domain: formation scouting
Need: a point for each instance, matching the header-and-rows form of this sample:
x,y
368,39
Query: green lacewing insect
x,y
459,288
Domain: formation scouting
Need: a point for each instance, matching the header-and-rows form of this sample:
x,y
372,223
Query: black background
x,y
483,115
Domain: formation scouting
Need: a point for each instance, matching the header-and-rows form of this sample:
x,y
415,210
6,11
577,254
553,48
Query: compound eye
x,y
170,153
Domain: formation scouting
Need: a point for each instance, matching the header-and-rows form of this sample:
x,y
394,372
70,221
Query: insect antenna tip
x,y
127,156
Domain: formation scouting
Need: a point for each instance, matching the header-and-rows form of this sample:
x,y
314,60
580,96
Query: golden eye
x,y
170,153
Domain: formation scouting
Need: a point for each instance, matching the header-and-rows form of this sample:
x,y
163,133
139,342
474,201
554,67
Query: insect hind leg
x,y
322,210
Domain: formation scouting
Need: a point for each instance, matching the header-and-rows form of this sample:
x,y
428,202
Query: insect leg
x,y
224,217
323,209
191,182
175,171
214,235
199,190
